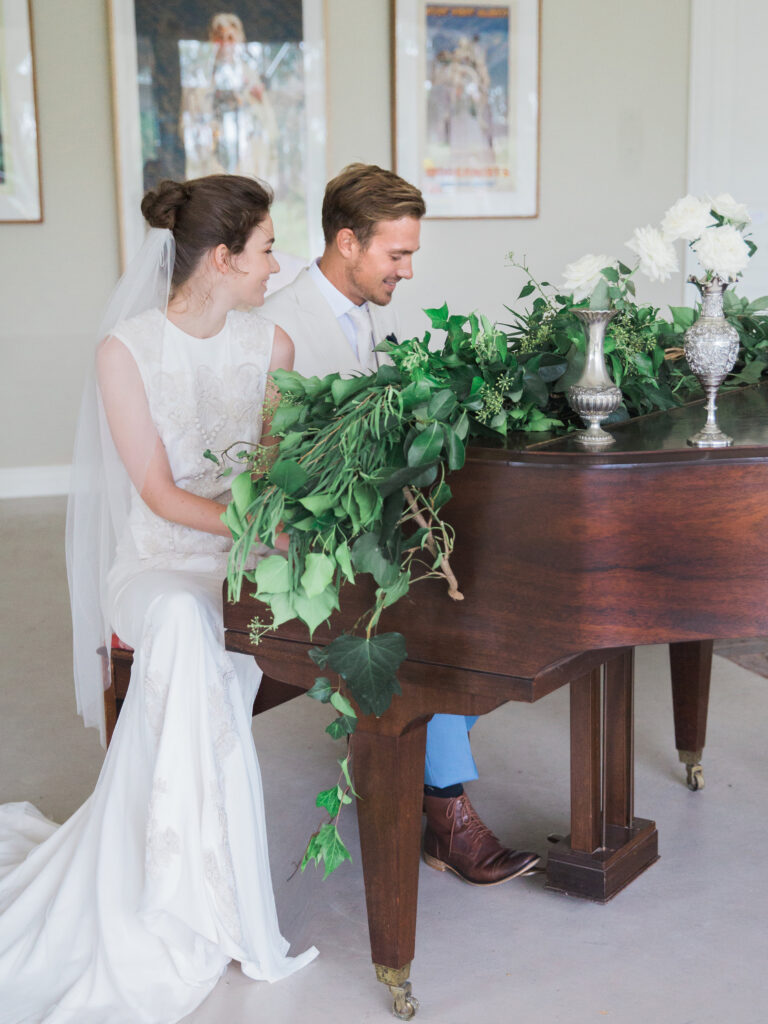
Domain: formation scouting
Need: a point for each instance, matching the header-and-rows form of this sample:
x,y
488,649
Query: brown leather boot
x,y
456,840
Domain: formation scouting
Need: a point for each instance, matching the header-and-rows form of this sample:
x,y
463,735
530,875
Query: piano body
x,y
567,560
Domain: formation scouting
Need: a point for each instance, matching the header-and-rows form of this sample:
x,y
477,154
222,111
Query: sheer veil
x,y
100,488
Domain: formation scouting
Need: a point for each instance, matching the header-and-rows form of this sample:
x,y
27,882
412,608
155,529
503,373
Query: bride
x,y
130,911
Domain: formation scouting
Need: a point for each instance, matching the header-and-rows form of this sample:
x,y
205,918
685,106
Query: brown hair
x,y
364,194
206,212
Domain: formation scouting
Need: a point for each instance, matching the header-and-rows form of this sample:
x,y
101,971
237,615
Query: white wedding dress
x,y
130,911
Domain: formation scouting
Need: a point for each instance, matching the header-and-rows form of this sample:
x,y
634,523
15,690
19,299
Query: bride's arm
x,y
282,359
139,446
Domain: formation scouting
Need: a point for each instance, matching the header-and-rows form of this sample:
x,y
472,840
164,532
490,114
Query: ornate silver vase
x,y
711,346
594,396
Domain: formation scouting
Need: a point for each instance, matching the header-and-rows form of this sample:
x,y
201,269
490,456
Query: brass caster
x,y
694,777
405,1005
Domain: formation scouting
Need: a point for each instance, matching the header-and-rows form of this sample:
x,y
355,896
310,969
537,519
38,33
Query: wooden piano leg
x,y
389,777
608,847
691,666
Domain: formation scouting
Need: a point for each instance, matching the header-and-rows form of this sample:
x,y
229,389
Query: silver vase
x,y
711,346
594,396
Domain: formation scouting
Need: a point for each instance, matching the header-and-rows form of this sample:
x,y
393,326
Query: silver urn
x,y
594,396
711,346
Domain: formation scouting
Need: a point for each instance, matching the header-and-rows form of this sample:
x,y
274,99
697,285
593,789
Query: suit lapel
x,y
329,342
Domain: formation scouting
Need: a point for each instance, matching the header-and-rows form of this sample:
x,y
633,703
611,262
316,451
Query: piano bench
x,y
271,691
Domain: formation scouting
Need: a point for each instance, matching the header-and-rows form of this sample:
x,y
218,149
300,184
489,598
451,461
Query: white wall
x,y
613,155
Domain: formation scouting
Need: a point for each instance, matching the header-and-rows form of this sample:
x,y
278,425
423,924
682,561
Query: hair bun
x,y
161,205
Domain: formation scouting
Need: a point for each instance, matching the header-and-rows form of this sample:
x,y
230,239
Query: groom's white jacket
x,y
321,345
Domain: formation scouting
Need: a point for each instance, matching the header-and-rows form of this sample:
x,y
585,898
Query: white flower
x,y
727,207
686,219
722,251
658,259
582,276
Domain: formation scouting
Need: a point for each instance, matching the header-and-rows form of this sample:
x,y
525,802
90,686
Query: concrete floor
x,y
685,944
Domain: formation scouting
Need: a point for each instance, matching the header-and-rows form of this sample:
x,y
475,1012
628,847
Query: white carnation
x,y
658,259
727,207
686,219
582,276
722,251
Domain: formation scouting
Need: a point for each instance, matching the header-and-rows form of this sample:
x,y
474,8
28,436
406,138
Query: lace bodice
x,y
203,393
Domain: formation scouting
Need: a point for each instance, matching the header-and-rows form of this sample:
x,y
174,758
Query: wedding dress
x,y
130,911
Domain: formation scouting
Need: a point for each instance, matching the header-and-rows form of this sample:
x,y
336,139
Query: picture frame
x,y
20,193
196,92
466,105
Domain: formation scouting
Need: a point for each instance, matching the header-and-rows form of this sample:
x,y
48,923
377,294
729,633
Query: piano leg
x,y
608,847
389,776
691,665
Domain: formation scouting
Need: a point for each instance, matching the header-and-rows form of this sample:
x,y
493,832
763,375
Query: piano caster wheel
x,y
405,1005
694,777
396,979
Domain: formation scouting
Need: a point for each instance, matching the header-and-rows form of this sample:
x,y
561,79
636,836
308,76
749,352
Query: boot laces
x,y
474,828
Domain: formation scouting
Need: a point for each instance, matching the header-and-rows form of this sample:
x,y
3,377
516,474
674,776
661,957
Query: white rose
x,y
582,276
727,207
658,259
686,219
722,251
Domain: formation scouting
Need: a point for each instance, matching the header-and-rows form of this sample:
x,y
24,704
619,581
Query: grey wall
x,y
613,156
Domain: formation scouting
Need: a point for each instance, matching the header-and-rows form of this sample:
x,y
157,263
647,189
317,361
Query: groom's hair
x,y
362,196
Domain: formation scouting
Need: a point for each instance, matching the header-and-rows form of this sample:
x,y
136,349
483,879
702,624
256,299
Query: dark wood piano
x,y
567,560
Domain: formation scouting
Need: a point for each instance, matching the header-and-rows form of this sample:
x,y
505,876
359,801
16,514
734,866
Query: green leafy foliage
x,y
359,479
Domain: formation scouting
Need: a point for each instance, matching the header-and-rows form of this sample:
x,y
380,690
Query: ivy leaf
x,y
398,589
526,290
314,610
322,690
439,317
342,726
367,556
344,561
342,705
208,454
344,765
326,845
426,446
415,394
284,418
273,575
288,475
330,800
318,503
282,608
318,573
368,666
342,390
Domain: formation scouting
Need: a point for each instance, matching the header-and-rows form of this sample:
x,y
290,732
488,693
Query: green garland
x,y
359,482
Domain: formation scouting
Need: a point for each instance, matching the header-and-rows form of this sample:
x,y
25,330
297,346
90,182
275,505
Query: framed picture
x,y
19,155
202,87
467,105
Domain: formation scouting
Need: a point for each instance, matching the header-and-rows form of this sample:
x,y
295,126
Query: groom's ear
x,y
347,243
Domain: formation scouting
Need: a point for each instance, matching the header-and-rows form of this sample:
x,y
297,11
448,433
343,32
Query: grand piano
x,y
568,560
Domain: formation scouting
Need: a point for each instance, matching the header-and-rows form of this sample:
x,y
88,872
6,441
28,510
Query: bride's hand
x,y
282,541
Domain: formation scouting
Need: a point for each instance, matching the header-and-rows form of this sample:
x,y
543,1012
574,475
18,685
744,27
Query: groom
x,y
336,311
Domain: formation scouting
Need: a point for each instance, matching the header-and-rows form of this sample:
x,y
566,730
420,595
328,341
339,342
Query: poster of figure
x,y
20,198
219,89
471,142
